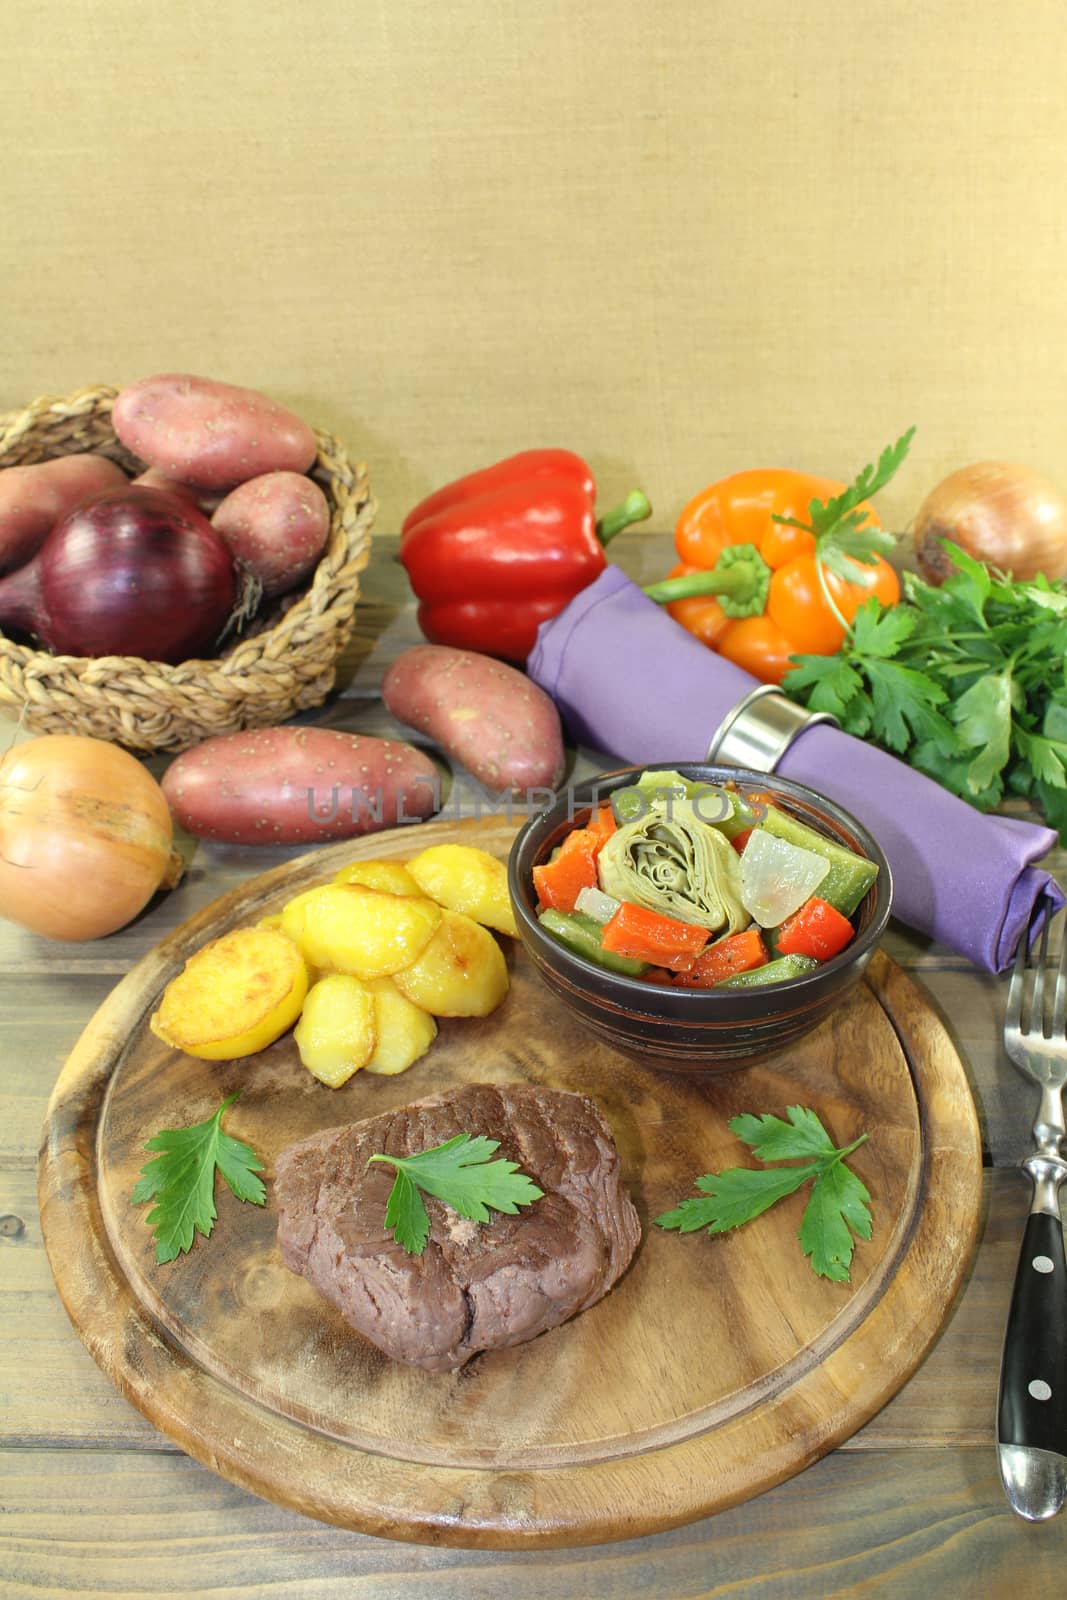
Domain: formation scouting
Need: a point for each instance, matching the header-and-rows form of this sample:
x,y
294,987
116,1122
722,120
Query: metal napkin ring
x,y
759,730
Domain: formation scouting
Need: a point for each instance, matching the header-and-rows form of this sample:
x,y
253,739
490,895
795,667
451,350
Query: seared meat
x,y
476,1286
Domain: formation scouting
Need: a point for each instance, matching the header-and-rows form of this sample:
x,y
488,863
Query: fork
x,y
1032,1406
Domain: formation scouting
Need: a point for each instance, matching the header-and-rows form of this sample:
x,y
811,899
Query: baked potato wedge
x,y
233,997
337,1031
405,1030
391,877
464,878
460,973
363,932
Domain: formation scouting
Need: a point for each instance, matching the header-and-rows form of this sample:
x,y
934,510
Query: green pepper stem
x,y
739,580
635,508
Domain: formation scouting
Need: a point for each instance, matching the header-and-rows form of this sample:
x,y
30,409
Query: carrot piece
x,y
647,936
741,952
817,929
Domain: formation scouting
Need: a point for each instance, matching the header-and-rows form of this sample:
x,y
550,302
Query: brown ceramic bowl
x,y
695,1030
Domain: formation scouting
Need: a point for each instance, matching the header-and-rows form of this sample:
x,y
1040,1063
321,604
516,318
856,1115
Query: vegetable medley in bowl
x,y
698,917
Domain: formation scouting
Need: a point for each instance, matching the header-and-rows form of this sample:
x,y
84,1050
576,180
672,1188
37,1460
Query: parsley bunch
x,y
837,1207
966,682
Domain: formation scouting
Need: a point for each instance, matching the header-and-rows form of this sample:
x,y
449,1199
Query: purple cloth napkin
x,y
630,682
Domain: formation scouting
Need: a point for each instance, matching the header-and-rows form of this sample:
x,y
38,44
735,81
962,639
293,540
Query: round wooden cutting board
x,y
713,1370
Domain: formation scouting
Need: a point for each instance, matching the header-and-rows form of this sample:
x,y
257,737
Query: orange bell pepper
x,y
756,588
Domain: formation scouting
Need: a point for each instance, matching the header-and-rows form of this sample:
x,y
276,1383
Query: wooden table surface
x,y
95,1502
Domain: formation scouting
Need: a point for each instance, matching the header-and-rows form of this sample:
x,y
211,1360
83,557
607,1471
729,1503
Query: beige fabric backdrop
x,y
679,238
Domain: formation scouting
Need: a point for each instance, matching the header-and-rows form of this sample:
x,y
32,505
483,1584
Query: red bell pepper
x,y
817,929
496,553
648,936
574,866
740,952
602,823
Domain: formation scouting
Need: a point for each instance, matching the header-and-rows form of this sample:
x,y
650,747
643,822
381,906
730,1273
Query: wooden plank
x,y
42,1021
971,1005
51,1390
892,1527
895,1510
952,1397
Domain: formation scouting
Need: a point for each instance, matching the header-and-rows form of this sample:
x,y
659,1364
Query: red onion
x,y
138,572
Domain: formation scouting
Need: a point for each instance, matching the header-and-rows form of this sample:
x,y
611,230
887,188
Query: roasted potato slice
x,y
391,877
464,878
337,1031
460,973
405,1030
234,997
363,932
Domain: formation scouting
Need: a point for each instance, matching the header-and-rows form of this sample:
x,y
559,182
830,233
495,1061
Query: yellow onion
x,y
1004,515
85,837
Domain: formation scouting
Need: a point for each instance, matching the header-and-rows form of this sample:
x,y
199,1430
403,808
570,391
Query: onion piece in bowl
x,y
777,877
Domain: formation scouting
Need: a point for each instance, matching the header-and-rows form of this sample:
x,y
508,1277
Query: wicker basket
x,y
287,664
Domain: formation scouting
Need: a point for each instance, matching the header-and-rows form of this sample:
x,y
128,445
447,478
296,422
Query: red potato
x,y
276,526
485,715
34,498
203,499
210,434
298,786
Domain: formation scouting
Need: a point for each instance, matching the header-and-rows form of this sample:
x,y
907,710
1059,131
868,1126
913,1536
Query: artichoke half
x,y
670,861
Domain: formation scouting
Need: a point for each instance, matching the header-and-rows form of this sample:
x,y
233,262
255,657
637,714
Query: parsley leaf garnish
x,y
837,1207
966,681
460,1173
845,538
826,515
182,1181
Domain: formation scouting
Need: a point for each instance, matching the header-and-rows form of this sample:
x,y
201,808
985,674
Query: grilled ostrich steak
x,y
476,1286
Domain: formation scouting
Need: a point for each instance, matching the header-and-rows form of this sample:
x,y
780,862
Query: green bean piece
x,y
771,972
582,935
